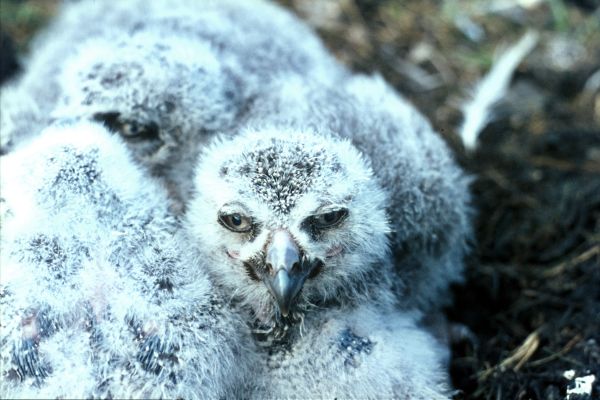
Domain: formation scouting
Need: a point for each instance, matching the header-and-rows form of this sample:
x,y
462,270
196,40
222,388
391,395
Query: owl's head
x,y
288,220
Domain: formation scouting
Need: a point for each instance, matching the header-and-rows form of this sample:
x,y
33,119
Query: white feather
x,y
479,111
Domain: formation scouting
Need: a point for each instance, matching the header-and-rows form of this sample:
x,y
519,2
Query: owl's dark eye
x,y
235,222
135,130
329,219
127,128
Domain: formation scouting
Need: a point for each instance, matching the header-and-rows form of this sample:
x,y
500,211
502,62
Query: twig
x,y
583,257
559,354
518,358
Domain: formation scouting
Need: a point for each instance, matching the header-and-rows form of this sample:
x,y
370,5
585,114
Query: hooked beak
x,y
286,277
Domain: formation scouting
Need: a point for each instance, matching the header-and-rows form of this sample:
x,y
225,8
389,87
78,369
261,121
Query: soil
x,y
530,307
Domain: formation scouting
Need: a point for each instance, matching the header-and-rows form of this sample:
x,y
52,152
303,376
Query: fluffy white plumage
x,y
360,353
167,79
279,183
99,296
302,142
428,196
343,336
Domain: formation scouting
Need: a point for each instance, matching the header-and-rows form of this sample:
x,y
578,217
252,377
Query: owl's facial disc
x,y
292,220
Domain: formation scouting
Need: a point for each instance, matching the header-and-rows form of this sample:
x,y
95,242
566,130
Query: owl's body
x,y
99,296
364,352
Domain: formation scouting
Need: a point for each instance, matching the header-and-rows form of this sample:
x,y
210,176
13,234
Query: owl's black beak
x,y
286,276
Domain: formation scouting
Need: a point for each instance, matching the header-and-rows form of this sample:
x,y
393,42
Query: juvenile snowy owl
x,y
100,296
294,229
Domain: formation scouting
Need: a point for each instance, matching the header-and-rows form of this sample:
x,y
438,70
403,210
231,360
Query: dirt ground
x,y
530,308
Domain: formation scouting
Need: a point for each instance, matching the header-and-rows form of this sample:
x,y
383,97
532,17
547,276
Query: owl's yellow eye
x,y
236,222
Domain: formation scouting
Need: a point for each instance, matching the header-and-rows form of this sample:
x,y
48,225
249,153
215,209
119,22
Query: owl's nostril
x,y
295,268
269,267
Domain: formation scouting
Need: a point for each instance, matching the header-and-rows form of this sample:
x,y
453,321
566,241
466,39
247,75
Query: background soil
x,y
530,308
